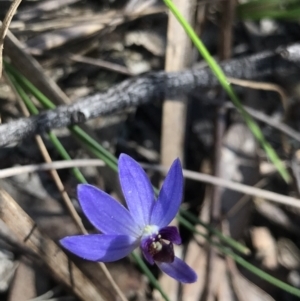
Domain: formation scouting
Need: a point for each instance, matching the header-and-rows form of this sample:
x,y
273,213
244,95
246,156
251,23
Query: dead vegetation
x,y
72,50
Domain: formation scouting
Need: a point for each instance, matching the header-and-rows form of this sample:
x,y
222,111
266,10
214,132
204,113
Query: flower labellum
x,y
144,223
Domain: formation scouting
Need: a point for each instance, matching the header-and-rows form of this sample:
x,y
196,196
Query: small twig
x,y
243,200
284,128
178,54
102,64
253,191
96,162
13,171
261,86
225,52
5,25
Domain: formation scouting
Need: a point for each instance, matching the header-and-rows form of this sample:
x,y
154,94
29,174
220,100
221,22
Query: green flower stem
x,y
27,85
216,69
244,263
95,147
228,240
103,154
272,14
64,154
273,9
185,215
137,258
34,111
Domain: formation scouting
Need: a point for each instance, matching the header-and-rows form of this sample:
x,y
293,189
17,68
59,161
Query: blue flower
x,y
144,223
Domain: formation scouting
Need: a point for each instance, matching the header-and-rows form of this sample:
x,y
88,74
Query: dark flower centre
x,y
161,250
159,246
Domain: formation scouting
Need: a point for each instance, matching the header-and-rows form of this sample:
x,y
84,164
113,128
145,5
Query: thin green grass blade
x,y
253,126
272,9
137,258
62,151
265,5
228,240
34,111
27,85
244,263
103,154
185,216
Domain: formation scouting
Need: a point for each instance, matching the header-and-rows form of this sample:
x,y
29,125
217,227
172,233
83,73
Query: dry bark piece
x,y
46,250
265,246
178,53
288,254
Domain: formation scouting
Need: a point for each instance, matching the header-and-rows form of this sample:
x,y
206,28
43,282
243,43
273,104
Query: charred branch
x,y
150,87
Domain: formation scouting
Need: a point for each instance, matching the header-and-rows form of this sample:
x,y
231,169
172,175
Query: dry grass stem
x,y
5,25
102,64
13,171
261,86
178,53
253,191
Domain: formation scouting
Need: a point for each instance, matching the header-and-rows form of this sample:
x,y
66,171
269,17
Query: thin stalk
x,y
148,273
105,155
34,111
216,69
275,9
244,263
64,154
228,240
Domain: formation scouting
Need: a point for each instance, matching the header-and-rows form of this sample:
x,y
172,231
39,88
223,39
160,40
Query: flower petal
x,y
145,246
104,212
171,234
169,199
100,247
178,270
137,190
